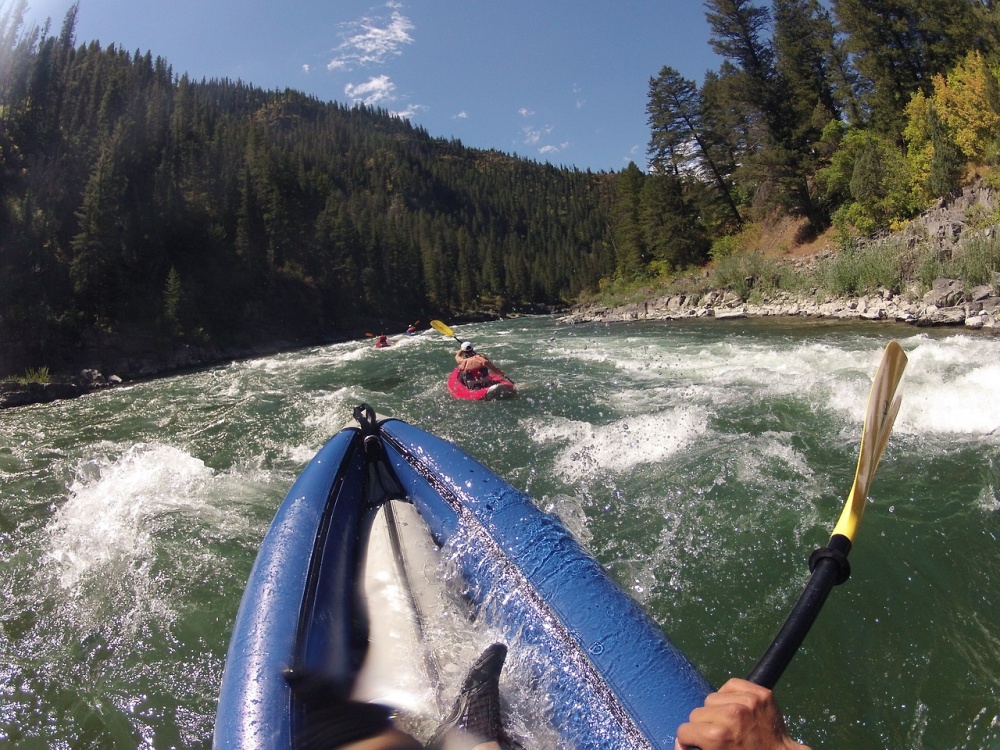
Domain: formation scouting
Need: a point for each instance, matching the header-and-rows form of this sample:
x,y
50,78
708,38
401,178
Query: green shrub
x,y
861,270
752,273
975,263
736,244
35,375
724,247
929,267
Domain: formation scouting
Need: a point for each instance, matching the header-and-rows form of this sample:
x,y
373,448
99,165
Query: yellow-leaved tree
x,y
967,103
956,124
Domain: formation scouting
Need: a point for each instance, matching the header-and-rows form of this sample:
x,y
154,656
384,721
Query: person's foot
x,y
475,718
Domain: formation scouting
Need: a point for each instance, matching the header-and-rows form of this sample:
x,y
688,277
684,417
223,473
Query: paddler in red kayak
x,y
474,368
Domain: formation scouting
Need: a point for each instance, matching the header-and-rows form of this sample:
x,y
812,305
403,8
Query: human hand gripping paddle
x,y
440,327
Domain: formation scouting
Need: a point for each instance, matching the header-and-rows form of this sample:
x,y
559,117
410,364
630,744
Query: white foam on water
x,y
105,517
621,445
103,541
721,370
327,414
770,454
951,387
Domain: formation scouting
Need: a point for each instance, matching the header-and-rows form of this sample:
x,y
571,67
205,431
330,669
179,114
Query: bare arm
x,y
493,368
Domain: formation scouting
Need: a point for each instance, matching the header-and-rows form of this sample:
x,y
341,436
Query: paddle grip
x,y
828,570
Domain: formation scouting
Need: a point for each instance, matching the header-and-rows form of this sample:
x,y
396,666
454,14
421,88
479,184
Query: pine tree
x,y
678,135
804,44
630,250
898,46
670,226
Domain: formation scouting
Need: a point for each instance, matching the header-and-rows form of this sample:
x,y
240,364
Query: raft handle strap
x,y
367,419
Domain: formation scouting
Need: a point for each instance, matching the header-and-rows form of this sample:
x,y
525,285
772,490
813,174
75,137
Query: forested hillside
x,y
138,203
855,114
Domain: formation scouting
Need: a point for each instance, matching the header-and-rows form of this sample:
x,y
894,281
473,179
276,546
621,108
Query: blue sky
x,y
563,81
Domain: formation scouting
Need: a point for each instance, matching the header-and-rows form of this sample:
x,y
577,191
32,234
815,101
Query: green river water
x,y
701,462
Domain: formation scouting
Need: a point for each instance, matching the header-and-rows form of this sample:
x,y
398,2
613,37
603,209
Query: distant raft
x,y
608,675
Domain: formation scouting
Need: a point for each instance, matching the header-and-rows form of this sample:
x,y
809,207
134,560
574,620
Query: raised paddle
x,y
829,564
440,327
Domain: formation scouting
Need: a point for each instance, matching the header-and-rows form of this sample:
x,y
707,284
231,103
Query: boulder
x,y
947,316
945,293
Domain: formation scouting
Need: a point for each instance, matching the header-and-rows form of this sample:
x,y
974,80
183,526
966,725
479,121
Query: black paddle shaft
x,y
829,567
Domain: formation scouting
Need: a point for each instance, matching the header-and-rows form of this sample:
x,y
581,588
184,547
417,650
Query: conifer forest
x,y
136,203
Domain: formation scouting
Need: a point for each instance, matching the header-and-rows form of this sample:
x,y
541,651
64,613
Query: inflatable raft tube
x,y
609,676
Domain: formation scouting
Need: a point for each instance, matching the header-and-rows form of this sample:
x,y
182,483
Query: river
x,y
701,461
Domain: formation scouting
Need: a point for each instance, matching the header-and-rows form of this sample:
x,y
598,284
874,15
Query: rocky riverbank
x,y
112,363
948,303
944,228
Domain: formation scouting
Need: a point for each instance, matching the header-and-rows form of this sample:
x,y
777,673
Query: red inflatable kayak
x,y
501,388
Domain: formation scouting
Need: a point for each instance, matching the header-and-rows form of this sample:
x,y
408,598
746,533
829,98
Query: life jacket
x,y
473,368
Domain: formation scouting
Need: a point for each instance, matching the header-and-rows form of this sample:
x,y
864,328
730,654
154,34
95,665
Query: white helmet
x,y
466,346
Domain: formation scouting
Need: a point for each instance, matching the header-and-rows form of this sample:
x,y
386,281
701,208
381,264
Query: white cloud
x,y
550,149
463,115
374,92
306,68
372,41
410,111
525,112
533,135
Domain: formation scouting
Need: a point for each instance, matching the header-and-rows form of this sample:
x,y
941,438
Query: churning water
x,y
701,462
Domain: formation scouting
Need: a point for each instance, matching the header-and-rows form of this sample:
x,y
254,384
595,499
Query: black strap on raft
x,y
328,717
382,484
365,416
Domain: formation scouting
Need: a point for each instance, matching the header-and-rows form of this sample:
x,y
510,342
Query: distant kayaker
x,y
474,368
382,341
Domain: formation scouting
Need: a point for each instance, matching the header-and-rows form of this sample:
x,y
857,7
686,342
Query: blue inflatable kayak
x,y
607,674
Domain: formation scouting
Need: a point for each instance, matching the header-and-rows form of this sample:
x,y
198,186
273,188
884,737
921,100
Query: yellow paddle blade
x,y
883,405
437,325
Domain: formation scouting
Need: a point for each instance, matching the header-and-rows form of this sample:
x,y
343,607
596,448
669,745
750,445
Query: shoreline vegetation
x,y
939,270
936,271
151,224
